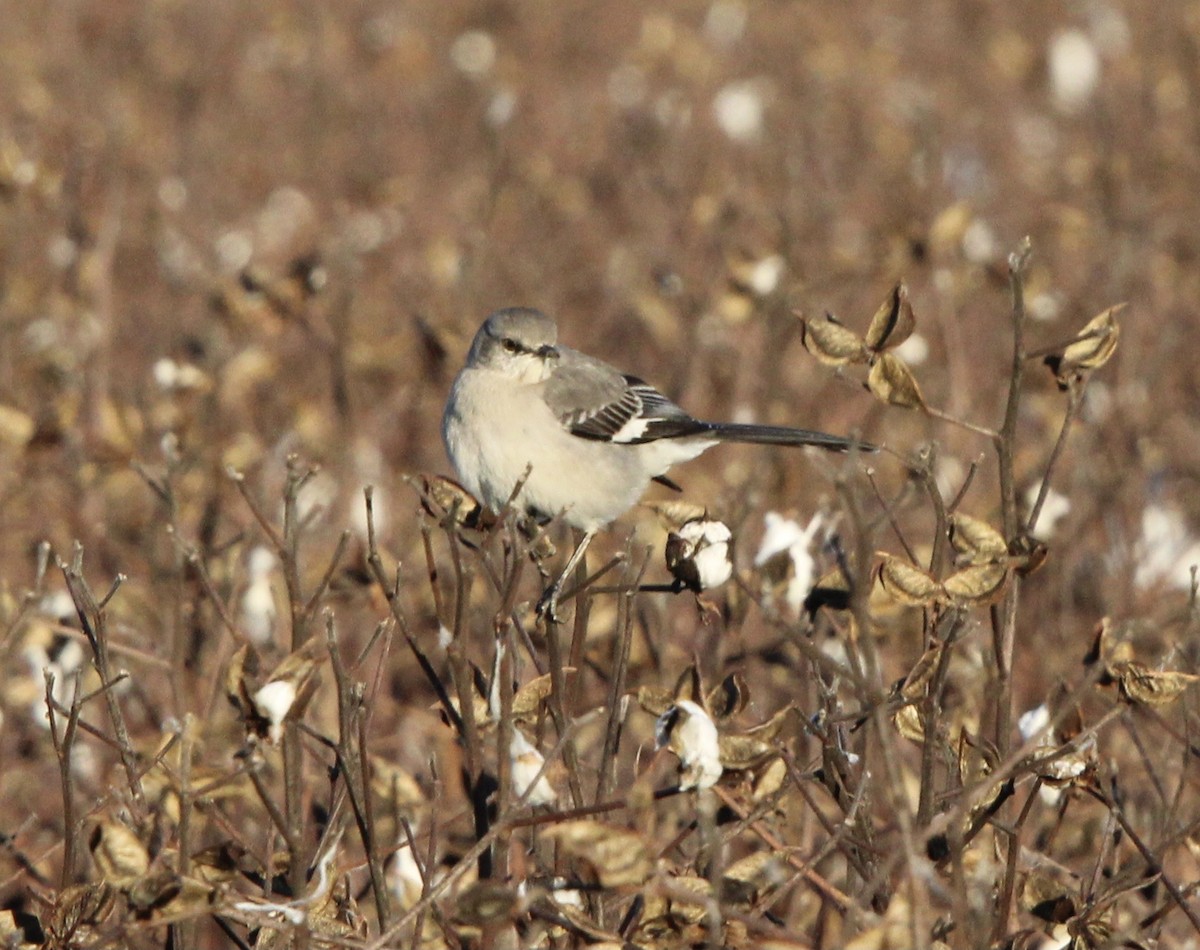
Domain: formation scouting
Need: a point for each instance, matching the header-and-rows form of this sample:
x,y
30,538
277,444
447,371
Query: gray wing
x,y
595,401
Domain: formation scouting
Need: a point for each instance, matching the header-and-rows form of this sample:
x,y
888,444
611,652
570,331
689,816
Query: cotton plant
x,y
788,543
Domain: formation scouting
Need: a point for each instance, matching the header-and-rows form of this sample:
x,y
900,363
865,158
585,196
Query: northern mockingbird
x,y
591,438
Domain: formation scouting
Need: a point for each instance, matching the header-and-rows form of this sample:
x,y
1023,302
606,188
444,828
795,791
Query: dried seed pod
x,y
891,381
976,585
893,322
617,855
832,343
120,856
906,583
1093,346
976,542
1153,687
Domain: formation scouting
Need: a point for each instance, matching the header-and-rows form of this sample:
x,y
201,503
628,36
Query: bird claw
x,y
547,605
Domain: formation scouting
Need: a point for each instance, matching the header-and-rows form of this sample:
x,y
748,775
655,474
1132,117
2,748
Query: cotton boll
x,y
1033,721
739,108
273,702
787,535
1074,70
1055,507
404,878
527,762
698,554
1166,550
473,53
914,351
257,612
690,733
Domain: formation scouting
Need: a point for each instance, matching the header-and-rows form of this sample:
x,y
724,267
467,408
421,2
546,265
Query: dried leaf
x,y
654,699
748,878
617,855
976,585
81,906
976,542
909,722
1047,898
893,322
485,902
156,889
770,780
907,583
1093,346
242,679
1111,648
746,751
728,698
445,498
16,427
689,685
1153,687
891,381
395,785
675,514
832,343
919,676
527,701
120,856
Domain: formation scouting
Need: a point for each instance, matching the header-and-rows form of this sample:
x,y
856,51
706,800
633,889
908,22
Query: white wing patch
x,y
632,431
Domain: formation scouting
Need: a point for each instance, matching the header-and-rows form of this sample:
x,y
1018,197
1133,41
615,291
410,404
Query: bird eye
x,y
511,346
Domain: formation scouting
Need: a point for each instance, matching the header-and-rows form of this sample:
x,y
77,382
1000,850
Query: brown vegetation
x,y
246,703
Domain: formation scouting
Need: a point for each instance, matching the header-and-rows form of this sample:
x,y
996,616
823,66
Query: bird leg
x,y
547,605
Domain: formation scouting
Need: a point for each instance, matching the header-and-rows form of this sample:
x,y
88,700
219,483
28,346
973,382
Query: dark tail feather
x,y
781,435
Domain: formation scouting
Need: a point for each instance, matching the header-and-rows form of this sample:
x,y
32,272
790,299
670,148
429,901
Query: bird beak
x,y
547,352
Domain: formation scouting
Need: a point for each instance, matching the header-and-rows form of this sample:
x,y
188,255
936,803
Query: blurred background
x,y
231,232
273,228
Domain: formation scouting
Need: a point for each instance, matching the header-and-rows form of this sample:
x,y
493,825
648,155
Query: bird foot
x,y
547,605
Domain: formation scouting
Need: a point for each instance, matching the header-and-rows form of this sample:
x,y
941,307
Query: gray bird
x,y
591,437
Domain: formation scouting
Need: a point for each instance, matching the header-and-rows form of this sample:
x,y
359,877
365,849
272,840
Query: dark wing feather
x,y
640,414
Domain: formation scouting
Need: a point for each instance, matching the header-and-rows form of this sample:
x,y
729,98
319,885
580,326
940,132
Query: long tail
x,y
782,435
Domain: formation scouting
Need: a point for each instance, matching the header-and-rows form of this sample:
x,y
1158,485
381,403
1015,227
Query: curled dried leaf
x,y
1092,347
486,902
1153,687
893,322
1047,898
918,678
907,583
120,856
832,343
891,381
527,701
746,879
617,855
160,887
739,752
770,780
910,723
1111,648
675,514
654,699
750,749
689,685
443,497
976,585
976,541
729,697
